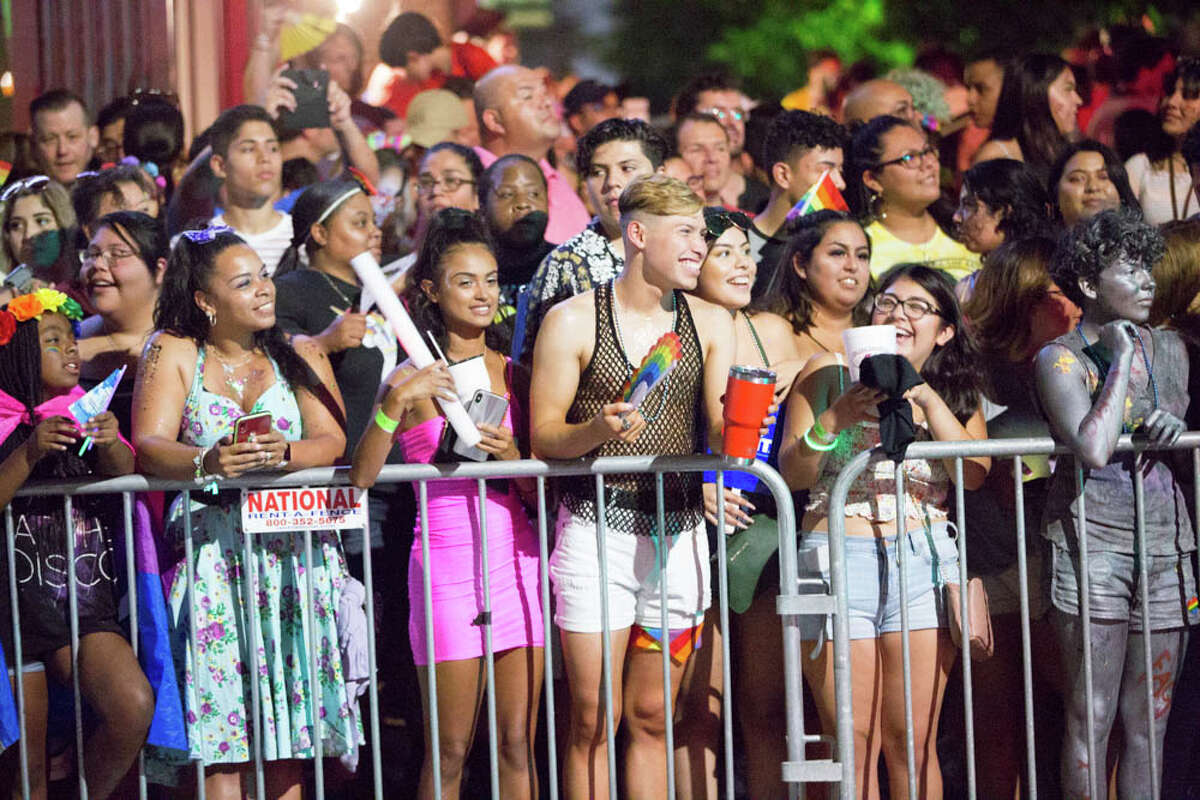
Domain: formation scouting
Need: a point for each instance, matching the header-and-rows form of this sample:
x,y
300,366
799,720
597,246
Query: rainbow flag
x,y
821,196
5,171
654,369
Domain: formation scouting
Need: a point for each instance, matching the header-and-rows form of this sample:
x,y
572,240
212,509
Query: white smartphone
x,y
484,407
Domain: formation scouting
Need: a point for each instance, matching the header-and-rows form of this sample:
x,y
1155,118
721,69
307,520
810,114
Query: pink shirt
x,y
568,215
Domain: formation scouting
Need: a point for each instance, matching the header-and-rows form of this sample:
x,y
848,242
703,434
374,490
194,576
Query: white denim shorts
x,y
633,578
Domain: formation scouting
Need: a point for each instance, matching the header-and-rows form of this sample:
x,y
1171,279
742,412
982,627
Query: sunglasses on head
x,y
34,184
719,220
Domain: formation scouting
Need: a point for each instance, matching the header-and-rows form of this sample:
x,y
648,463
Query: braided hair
x,y
21,379
189,270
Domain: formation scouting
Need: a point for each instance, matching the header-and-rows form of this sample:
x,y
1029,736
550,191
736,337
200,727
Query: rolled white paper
x,y
393,311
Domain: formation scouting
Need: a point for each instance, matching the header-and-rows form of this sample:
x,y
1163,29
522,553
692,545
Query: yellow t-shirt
x,y
940,252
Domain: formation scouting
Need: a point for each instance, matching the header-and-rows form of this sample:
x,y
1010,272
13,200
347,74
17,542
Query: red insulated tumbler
x,y
747,397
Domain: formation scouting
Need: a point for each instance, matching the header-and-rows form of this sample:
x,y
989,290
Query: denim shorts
x,y
873,580
1114,592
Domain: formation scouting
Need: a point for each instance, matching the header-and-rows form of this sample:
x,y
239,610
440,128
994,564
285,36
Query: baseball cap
x,y
433,116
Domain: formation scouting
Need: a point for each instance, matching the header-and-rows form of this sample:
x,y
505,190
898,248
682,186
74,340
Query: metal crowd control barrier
x,y
422,475
837,603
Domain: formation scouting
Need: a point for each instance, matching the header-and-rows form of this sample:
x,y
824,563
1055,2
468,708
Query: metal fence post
x,y
664,620
314,665
1026,633
606,637
1142,556
252,613
189,566
435,757
960,506
1095,769
489,658
373,674
723,612
547,649
131,579
18,653
910,751
73,605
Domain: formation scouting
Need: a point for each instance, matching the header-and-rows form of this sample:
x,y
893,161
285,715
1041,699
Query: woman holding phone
x,y
454,293
216,357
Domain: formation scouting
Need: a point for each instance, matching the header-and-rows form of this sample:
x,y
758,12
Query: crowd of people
x,y
1028,226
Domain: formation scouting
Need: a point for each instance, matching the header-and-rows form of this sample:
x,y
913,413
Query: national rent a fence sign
x,y
320,508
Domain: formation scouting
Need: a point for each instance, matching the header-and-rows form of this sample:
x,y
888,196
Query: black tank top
x,y
673,410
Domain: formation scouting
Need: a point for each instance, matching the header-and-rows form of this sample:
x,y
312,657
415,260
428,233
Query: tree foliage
x,y
659,44
771,55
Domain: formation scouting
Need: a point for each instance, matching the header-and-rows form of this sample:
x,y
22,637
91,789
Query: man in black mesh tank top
x,y
587,348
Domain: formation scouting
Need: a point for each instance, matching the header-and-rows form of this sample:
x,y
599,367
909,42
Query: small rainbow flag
x,y
655,367
5,171
821,196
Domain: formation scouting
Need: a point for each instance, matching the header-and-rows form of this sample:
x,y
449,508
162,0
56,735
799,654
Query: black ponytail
x,y
188,271
449,228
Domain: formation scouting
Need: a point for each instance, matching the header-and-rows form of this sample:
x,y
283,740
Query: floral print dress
x,y
219,700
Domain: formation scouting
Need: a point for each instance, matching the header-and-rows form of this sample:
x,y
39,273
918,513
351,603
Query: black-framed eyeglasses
x,y
914,307
910,160
31,185
717,220
450,183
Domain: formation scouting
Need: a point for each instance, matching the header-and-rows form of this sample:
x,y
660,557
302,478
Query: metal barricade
x,y
838,602
789,605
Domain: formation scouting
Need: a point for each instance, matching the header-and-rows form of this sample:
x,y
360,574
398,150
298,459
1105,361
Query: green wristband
x,y
818,446
386,423
819,431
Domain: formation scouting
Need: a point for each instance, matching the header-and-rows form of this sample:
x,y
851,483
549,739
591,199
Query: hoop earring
x,y
877,203
212,318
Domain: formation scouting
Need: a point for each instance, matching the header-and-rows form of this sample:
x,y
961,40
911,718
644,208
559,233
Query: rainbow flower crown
x,y
32,306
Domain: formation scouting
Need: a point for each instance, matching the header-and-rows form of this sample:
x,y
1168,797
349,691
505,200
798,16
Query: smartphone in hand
x,y
257,424
312,103
484,407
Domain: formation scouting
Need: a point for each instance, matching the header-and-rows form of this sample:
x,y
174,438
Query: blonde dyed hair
x,y
659,196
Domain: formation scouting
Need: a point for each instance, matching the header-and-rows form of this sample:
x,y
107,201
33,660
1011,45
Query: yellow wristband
x,y
386,423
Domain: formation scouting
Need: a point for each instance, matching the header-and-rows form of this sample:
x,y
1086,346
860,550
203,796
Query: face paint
x,y
1125,290
1064,362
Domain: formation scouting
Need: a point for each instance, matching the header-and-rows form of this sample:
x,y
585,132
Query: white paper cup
x,y
867,341
470,374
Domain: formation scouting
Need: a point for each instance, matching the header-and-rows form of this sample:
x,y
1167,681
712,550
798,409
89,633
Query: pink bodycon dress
x,y
455,568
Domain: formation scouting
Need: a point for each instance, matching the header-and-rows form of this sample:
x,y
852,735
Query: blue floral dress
x,y
219,699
